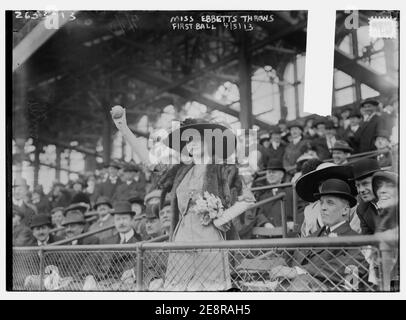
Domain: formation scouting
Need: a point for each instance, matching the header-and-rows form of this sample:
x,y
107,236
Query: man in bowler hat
x,y
41,226
322,269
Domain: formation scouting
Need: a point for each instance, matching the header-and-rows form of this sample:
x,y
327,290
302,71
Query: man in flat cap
x,y
325,270
41,226
340,152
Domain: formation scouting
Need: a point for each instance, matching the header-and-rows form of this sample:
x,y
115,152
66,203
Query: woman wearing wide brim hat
x,y
186,182
308,184
205,131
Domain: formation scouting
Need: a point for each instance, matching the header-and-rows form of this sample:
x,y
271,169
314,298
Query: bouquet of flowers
x,y
209,207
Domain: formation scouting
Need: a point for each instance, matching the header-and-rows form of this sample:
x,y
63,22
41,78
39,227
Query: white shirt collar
x,y
354,128
367,118
275,145
105,218
337,225
43,243
296,140
127,236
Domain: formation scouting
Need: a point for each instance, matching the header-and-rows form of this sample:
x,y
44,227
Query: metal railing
x,y
356,263
294,198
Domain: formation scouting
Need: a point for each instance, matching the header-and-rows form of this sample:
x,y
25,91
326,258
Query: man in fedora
x,y
123,222
340,152
309,184
270,214
363,170
41,226
109,187
103,207
327,269
365,136
75,226
132,183
277,144
296,147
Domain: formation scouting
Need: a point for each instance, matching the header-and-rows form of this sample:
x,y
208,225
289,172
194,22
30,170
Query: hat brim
x,y
77,221
138,201
295,126
351,199
107,203
199,127
275,168
383,176
76,206
308,184
32,226
365,175
349,150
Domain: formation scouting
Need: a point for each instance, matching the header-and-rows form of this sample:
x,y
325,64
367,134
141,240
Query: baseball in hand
x,y
117,112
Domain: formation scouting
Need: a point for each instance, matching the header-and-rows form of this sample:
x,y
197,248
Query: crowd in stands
x,y
338,192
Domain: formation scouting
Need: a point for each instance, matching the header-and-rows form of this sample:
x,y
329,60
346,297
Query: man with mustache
x,y
41,226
